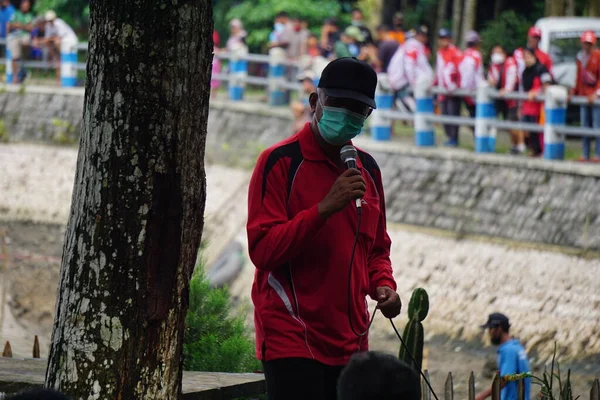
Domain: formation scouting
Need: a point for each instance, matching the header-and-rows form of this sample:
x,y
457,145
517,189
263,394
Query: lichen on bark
x,y
137,209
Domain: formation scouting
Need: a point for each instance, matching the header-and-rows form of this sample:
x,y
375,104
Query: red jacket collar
x,y
311,150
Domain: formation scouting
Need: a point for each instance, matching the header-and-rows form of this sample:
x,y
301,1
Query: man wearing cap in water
x,y
310,286
512,358
59,38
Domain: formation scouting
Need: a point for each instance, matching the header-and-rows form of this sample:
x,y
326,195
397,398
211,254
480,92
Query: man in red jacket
x,y
310,286
588,84
534,36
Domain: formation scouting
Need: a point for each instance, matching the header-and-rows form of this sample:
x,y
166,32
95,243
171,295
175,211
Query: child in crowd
x,y
535,79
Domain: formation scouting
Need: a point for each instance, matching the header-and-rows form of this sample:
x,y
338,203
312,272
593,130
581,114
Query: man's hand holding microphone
x,y
349,187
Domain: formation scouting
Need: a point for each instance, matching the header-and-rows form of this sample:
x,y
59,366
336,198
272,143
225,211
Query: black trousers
x,y
451,106
534,141
300,379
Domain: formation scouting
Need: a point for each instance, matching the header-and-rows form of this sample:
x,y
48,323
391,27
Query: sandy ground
x,y
536,287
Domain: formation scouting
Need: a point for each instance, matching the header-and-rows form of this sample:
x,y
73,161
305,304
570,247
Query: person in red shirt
x,y
588,84
534,80
503,75
470,68
534,36
316,260
447,77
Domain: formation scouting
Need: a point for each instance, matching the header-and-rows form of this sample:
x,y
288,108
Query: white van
x,y
561,40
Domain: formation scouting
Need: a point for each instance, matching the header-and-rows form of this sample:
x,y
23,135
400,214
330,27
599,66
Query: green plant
x,y
214,340
76,13
548,388
413,336
508,30
258,16
65,133
4,136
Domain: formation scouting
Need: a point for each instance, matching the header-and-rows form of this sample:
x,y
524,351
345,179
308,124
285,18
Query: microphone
x,y
348,155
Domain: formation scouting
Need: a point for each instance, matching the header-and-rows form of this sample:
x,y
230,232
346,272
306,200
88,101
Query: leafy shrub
x,y
76,13
508,30
258,16
4,136
214,340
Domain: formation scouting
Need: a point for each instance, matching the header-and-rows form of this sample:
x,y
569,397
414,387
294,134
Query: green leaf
x,y
214,339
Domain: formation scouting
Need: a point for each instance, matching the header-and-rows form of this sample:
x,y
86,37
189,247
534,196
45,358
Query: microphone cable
x,y
361,334
356,235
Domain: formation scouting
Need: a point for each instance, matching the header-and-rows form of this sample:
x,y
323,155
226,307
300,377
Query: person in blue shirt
x,y
512,358
6,12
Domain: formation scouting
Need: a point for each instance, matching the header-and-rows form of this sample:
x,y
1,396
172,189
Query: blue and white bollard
x,y
238,72
556,115
381,127
68,67
485,111
277,96
9,66
424,132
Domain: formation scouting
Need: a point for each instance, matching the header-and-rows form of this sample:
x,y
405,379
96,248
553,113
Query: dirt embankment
x,y
549,296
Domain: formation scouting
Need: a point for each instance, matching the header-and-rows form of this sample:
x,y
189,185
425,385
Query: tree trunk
x,y
439,19
457,11
498,8
138,202
593,8
470,12
556,8
570,8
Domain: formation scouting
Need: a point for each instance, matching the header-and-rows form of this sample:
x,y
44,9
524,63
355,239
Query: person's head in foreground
x,y
39,394
421,34
344,99
25,6
498,328
50,16
588,41
534,35
377,376
529,57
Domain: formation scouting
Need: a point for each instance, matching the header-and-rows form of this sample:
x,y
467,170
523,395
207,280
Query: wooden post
x,y
425,392
472,386
449,388
595,392
496,387
521,390
7,350
3,263
36,347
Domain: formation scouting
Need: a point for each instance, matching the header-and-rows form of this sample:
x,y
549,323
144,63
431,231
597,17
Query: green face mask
x,y
338,125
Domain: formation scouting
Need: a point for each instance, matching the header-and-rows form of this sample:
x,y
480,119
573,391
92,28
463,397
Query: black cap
x,y
444,33
351,79
422,30
495,320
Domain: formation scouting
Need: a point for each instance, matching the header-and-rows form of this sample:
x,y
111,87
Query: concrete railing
x,y
69,65
485,123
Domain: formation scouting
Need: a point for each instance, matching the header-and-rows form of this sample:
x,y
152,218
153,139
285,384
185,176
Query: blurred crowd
x,y
403,56
34,37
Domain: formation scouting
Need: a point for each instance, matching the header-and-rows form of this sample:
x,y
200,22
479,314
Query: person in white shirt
x,y
470,68
408,64
59,38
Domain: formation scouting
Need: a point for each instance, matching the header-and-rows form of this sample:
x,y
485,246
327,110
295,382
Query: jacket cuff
x,y
314,220
389,282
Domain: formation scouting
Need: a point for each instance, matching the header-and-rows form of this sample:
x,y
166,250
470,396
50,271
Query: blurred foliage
x,y
503,31
258,16
422,13
76,13
215,340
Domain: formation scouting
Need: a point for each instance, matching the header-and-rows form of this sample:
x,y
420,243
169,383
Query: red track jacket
x,y
300,290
